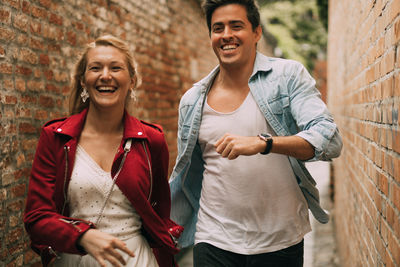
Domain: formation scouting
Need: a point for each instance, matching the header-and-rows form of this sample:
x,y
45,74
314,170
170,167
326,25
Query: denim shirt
x,y
286,95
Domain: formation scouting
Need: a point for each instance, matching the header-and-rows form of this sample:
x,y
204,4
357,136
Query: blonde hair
x,y
76,105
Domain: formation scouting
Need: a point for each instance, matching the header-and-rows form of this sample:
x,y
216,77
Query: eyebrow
x,y
112,62
230,22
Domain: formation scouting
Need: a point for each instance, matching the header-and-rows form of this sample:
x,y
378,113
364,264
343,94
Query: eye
x,y
218,29
116,68
94,68
237,27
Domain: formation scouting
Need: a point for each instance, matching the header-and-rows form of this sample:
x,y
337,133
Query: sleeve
x,y
43,221
312,117
161,198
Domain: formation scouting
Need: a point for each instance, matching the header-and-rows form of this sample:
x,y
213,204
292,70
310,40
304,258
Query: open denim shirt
x,y
286,95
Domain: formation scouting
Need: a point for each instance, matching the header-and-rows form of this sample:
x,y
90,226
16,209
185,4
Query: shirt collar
x,y
73,126
261,64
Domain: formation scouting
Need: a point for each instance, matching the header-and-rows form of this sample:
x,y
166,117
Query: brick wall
x,y
39,43
363,93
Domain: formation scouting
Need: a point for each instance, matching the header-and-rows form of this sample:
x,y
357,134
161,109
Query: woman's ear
x,y
133,83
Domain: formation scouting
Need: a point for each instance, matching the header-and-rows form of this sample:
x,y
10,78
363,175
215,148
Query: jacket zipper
x,y
75,223
150,172
66,149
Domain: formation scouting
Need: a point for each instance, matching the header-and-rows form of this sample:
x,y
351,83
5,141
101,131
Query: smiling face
x,y
107,77
232,37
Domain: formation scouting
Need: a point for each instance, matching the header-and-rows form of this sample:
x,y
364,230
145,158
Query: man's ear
x,y
258,33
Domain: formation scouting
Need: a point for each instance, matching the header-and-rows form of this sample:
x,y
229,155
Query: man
x,y
239,185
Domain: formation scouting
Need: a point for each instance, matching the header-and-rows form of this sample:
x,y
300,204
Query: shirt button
x,y
59,130
139,133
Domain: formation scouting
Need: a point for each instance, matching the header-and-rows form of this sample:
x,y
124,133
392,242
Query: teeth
x,y
227,47
105,88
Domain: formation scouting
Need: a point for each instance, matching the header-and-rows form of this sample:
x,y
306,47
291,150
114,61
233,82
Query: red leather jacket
x,y
46,216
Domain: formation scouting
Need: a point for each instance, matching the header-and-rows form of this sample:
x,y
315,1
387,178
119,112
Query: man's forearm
x,y
293,146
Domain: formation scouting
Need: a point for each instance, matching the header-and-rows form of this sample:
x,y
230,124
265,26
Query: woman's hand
x,y
103,246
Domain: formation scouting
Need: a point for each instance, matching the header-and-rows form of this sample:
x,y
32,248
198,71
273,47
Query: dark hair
x,y
253,15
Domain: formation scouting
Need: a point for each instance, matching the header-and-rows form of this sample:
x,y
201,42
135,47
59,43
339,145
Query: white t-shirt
x,y
251,204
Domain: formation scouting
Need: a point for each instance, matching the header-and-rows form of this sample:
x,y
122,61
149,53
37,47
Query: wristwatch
x,y
268,139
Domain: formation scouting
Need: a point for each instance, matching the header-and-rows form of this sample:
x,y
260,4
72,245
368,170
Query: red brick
x,y
36,27
23,70
397,30
54,48
25,128
28,56
26,7
395,195
30,258
19,175
71,38
394,248
5,16
5,68
397,83
52,88
55,19
18,191
12,3
15,206
8,84
26,99
2,52
45,3
29,144
44,59
24,112
48,74
10,100
39,12
46,101
34,85
21,21
41,115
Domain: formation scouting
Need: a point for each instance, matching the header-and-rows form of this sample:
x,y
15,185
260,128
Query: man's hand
x,y
103,246
231,146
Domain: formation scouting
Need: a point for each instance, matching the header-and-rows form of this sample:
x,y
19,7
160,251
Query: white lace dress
x,y
87,192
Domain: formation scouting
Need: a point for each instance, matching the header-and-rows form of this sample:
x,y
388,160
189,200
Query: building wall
x,y
40,41
363,93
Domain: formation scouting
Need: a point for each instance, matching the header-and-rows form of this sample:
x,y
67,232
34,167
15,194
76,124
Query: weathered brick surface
x,y
363,93
39,43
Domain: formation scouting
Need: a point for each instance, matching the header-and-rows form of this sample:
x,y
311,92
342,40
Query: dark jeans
x,y
206,255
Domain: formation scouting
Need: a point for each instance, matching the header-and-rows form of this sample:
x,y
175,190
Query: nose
x,y
227,34
105,74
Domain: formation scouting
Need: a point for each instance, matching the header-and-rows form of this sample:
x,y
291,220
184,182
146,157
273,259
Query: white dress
x,y
87,192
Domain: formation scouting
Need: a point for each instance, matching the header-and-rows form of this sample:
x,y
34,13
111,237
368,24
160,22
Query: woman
x,y
98,183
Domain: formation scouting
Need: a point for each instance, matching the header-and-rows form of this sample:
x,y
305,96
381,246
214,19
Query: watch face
x,y
267,135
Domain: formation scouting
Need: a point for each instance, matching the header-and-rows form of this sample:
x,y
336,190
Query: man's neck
x,y
235,76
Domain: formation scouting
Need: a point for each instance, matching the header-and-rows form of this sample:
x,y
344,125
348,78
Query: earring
x,y
84,94
133,95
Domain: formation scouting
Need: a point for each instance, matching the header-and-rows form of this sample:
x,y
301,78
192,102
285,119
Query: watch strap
x,y
268,139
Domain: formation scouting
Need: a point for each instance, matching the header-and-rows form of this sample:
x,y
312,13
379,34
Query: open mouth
x,y
229,47
106,89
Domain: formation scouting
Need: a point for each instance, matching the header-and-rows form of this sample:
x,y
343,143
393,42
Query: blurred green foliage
x,y
298,27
